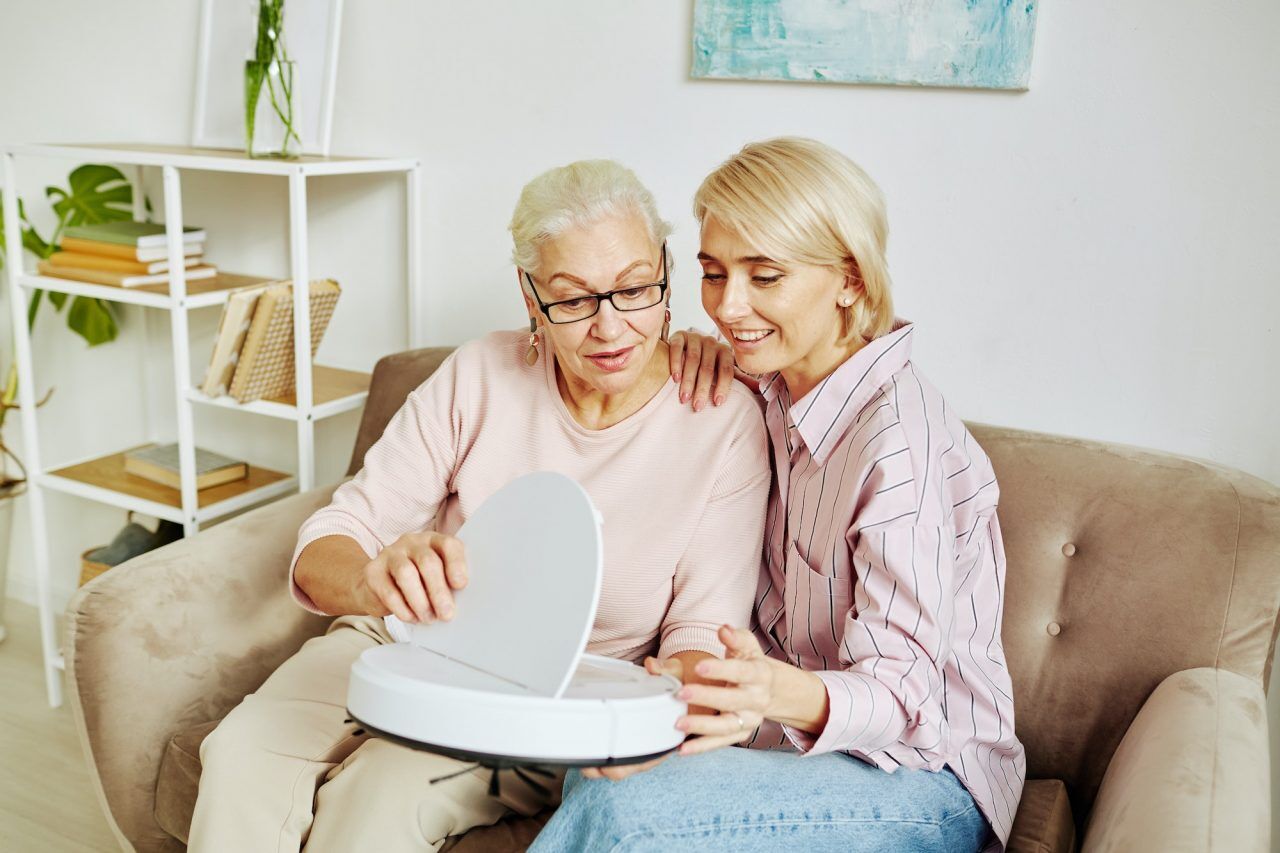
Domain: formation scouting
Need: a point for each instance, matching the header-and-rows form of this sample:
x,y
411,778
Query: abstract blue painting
x,y
984,44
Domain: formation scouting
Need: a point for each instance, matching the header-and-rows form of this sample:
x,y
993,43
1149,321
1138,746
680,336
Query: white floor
x,y
47,803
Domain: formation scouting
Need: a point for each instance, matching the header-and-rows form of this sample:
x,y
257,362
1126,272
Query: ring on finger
x,y
742,724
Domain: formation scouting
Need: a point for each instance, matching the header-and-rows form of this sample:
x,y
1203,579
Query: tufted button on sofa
x,y
1141,608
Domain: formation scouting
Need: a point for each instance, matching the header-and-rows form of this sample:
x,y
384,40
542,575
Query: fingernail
x,y
675,377
683,693
684,398
682,725
697,407
446,613
702,669
719,399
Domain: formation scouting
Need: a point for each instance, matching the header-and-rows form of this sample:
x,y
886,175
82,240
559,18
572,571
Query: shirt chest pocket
x,y
811,622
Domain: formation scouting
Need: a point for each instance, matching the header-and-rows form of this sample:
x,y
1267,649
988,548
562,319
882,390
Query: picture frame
x,y
226,40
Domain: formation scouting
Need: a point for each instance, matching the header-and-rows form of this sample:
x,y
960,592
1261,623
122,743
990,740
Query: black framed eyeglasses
x,y
635,298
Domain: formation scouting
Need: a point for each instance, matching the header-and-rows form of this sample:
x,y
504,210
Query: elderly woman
x,y
874,689
583,392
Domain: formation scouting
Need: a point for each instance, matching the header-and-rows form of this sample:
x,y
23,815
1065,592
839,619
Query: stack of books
x,y
124,254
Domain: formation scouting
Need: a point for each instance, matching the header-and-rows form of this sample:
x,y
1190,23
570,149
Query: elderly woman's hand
x,y
755,688
702,366
415,578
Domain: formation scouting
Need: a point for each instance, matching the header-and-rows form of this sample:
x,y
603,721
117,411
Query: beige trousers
x,y
285,769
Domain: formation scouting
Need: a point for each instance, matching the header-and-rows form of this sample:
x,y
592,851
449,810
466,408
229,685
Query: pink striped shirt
x,y
884,573
683,494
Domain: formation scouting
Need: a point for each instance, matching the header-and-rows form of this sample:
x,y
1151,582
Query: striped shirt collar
x,y
823,415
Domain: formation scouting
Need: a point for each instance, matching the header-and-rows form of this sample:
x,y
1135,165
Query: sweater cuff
x,y
691,638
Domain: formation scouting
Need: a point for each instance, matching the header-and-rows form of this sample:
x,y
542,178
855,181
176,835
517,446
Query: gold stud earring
x,y
531,357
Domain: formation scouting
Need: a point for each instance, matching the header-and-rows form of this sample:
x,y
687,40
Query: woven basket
x,y
89,569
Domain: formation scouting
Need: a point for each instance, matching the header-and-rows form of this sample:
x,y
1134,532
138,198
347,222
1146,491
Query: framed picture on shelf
x,y
227,40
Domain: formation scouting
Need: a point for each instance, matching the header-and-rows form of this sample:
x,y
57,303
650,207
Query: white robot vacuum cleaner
x,y
507,683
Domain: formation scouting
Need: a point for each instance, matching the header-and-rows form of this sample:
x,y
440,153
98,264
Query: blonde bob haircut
x,y
800,201
578,195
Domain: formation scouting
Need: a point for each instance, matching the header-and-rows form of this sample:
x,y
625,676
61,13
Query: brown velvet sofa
x,y
1141,614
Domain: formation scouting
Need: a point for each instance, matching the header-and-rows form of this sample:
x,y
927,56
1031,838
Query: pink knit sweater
x,y
683,494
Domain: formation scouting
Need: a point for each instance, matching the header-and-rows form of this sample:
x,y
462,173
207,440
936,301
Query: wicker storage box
x,y
89,569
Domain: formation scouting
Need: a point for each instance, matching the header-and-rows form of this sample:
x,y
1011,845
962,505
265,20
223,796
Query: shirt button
x,y
1069,550
1054,629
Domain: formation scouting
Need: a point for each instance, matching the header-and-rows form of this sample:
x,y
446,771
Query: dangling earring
x,y
531,357
666,325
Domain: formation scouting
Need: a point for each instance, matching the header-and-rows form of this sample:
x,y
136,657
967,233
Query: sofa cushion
x,y
179,780
1043,823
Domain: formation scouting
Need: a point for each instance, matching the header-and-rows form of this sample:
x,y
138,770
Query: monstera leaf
x,y
94,194
97,194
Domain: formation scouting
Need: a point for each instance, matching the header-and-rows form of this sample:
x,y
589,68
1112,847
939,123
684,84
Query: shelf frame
x,y
177,298
208,292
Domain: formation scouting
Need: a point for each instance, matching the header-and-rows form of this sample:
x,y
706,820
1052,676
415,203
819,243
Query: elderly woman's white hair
x,y
578,195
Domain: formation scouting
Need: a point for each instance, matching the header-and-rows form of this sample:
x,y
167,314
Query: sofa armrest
x,y
177,637
1191,772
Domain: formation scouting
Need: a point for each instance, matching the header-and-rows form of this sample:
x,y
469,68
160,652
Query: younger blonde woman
x,y
873,690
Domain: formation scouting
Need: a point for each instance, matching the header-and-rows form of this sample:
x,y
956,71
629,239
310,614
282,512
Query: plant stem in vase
x,y
270,91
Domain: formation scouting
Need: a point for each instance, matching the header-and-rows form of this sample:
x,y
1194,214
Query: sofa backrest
x,y
1124,566
394,377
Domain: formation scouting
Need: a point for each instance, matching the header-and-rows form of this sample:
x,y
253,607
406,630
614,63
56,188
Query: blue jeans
x,y
749,800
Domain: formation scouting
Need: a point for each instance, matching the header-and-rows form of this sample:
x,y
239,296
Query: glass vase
x,y
271,109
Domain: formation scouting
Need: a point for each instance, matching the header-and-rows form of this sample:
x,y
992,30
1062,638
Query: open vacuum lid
x,y
534,559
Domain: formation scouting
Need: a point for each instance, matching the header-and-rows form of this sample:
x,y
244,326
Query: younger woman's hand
x,y
702,366
737,706
415,578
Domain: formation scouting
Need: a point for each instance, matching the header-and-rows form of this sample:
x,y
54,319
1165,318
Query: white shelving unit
x,y
321,391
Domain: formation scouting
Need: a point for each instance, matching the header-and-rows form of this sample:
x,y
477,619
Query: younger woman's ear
x,y
853,284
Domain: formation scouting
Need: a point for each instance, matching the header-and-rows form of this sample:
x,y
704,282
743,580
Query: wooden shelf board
x,y
221,281
107,472
329,384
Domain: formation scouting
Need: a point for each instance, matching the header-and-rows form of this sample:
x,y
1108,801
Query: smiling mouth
x,y
750,337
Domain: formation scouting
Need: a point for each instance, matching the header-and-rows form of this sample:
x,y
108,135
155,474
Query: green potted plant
x,y
94,194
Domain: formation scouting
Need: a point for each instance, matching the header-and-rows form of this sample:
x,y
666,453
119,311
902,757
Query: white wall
x,y
1095,257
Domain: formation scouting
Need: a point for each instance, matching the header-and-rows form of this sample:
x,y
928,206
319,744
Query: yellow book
x,y
105,262
119,279
132,253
